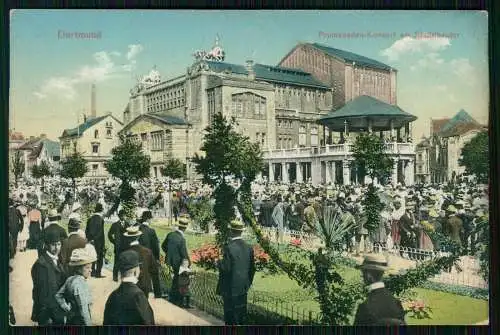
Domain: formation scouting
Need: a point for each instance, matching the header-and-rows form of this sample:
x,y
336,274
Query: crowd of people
x,y
66,259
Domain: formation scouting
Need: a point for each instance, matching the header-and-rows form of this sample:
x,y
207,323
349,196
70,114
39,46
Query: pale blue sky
x,y
50,77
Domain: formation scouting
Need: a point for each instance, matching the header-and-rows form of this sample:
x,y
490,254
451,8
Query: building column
x,y
271,172
316,171
346,172
406,172
395,171
284,172
299,172
333,172
328,171
411,178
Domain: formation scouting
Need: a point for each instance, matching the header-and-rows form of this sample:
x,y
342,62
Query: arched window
x,y
314,136
302,136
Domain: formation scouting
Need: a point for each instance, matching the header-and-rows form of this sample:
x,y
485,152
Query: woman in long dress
x,y
23,236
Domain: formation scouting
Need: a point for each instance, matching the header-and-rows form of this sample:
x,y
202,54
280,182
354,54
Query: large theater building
x,y
276,106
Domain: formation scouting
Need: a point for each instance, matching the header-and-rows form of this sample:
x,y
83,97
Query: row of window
x,y
287,124
109,132
166,105
248,105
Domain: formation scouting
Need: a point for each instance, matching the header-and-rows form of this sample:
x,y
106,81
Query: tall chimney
x,y
93,112
249,68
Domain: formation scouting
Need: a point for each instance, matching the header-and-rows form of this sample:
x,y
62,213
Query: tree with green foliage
x,y
369,154
73,167
228,155
474,157
174,169
129,164
17,166
41,171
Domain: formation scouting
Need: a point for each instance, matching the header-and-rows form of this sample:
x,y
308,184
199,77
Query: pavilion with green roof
x,y
366,113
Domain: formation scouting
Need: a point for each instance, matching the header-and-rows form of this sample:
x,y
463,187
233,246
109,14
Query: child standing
x,y
185,274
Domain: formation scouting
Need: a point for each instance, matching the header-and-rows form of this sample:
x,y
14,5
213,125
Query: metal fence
x,y
405,257
262,309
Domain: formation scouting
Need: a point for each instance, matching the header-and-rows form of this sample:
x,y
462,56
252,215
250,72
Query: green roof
x,y
169,119
359,110
84,126
352,57
274,74
461,117
53,148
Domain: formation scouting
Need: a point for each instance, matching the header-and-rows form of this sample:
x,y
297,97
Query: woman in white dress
x,y
24,235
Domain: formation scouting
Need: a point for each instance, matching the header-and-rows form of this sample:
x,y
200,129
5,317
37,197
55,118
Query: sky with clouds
x,y
51,71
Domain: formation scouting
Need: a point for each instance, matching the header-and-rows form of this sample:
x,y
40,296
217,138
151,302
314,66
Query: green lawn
x,y
448,309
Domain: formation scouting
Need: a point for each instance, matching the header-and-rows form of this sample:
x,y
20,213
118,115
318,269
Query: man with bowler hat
x,y
236,272
130,241
380,308
95,235
128,305
48,276
175,249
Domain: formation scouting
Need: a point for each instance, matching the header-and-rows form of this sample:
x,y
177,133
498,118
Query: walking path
x,y
21,285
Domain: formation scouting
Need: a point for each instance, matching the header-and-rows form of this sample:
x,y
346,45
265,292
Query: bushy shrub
x,y
206,256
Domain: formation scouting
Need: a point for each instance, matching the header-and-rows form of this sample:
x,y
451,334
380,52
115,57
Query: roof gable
x,y
158,117
86,125
352,57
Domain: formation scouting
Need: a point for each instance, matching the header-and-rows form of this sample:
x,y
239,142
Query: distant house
x,y
38,149
444,146
422,168
94,138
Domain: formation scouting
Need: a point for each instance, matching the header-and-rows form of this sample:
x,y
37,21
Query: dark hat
x,y
52,236
98,207
73,223
127,260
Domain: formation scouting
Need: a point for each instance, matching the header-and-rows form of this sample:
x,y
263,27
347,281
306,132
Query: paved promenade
x,y
21,285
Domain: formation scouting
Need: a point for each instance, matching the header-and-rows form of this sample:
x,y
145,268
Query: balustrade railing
x,y
334,149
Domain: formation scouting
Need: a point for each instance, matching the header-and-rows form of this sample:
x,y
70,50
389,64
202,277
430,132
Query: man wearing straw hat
x,y
128,305
380,308
236,272
175,249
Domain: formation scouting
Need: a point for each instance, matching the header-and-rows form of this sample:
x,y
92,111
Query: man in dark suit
x,y
48,276
149,240
175,249
128,305
236,272
51,226
149,270
115,235
15,223
95,235
74,241
380,308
